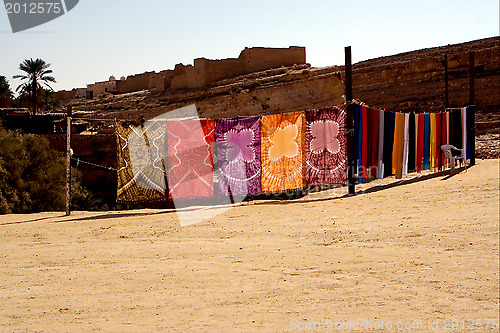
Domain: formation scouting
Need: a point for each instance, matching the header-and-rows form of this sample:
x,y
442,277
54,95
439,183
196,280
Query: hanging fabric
x,y
380,153
374,142
470,135
390,118
411,143
457,129
358,136
406,143
397,152
237,142
190,160
444,137
433,133
141,168
364,152
420,141
326,146
464,129
437,154
282,149
427,138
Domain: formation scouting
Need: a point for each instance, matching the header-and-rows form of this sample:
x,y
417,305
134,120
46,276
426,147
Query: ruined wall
x,y
260,58
134,83
64,95
206,72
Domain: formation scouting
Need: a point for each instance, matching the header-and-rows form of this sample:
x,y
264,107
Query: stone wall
x,y
135,83
261,58
206,72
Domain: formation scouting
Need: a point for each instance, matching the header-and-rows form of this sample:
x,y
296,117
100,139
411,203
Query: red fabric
x,y
190,161
364,155
420,147
374,139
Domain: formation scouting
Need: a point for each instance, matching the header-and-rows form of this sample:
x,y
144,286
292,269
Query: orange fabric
x,y
397,151
282,148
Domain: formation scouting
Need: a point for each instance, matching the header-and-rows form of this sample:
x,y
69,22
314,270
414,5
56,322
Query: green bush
x,y
32,176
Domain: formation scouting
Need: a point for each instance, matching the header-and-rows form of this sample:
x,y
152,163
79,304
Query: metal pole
x,y
472,77
351,162
471,110
446,100
68,162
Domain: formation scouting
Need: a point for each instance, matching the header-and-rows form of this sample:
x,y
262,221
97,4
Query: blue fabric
x,y
427,141
358,133
358,136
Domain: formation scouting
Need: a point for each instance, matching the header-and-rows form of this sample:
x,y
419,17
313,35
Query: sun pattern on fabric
x,y
190,162
324,137
282,147
283,143
240,143
238,154
326,146
141,166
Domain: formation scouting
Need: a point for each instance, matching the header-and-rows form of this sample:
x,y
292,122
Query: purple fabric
x,y
326,142
237,142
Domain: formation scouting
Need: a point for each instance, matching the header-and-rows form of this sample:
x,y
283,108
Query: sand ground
x,y
404,252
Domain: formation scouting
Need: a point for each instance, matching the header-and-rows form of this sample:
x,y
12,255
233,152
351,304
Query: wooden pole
x,y
351,159
446,99
471,110
472,78
68,162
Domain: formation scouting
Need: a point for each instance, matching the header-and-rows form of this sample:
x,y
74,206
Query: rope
x,y
78,161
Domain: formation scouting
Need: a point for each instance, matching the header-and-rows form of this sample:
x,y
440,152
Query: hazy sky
x,y
99,38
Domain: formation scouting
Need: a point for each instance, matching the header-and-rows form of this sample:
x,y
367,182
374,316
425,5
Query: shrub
x,y
32,176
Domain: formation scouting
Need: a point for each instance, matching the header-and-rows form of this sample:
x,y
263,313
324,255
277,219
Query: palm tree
x,y
36,75
5,92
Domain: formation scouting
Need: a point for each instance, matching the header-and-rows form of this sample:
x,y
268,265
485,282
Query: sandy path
x,y
416,252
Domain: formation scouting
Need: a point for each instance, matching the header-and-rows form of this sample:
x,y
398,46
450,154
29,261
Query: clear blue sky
x,y
99,38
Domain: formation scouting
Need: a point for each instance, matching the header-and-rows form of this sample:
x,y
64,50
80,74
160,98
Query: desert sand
x,y
422,249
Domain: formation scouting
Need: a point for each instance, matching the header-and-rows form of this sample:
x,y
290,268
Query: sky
x,y
100,38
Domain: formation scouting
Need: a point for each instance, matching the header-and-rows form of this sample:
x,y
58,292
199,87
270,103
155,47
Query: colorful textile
x,y
374,118
389,120
412,143
190,161
238,155
456,127
444,136
141,167
326,146
397,152
420,142
364,152
380,156
437,158
406,143
427,138
433,133
358,135
470,133
464,129
282,148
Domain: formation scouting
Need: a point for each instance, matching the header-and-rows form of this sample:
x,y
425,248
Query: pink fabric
x,y
190,161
